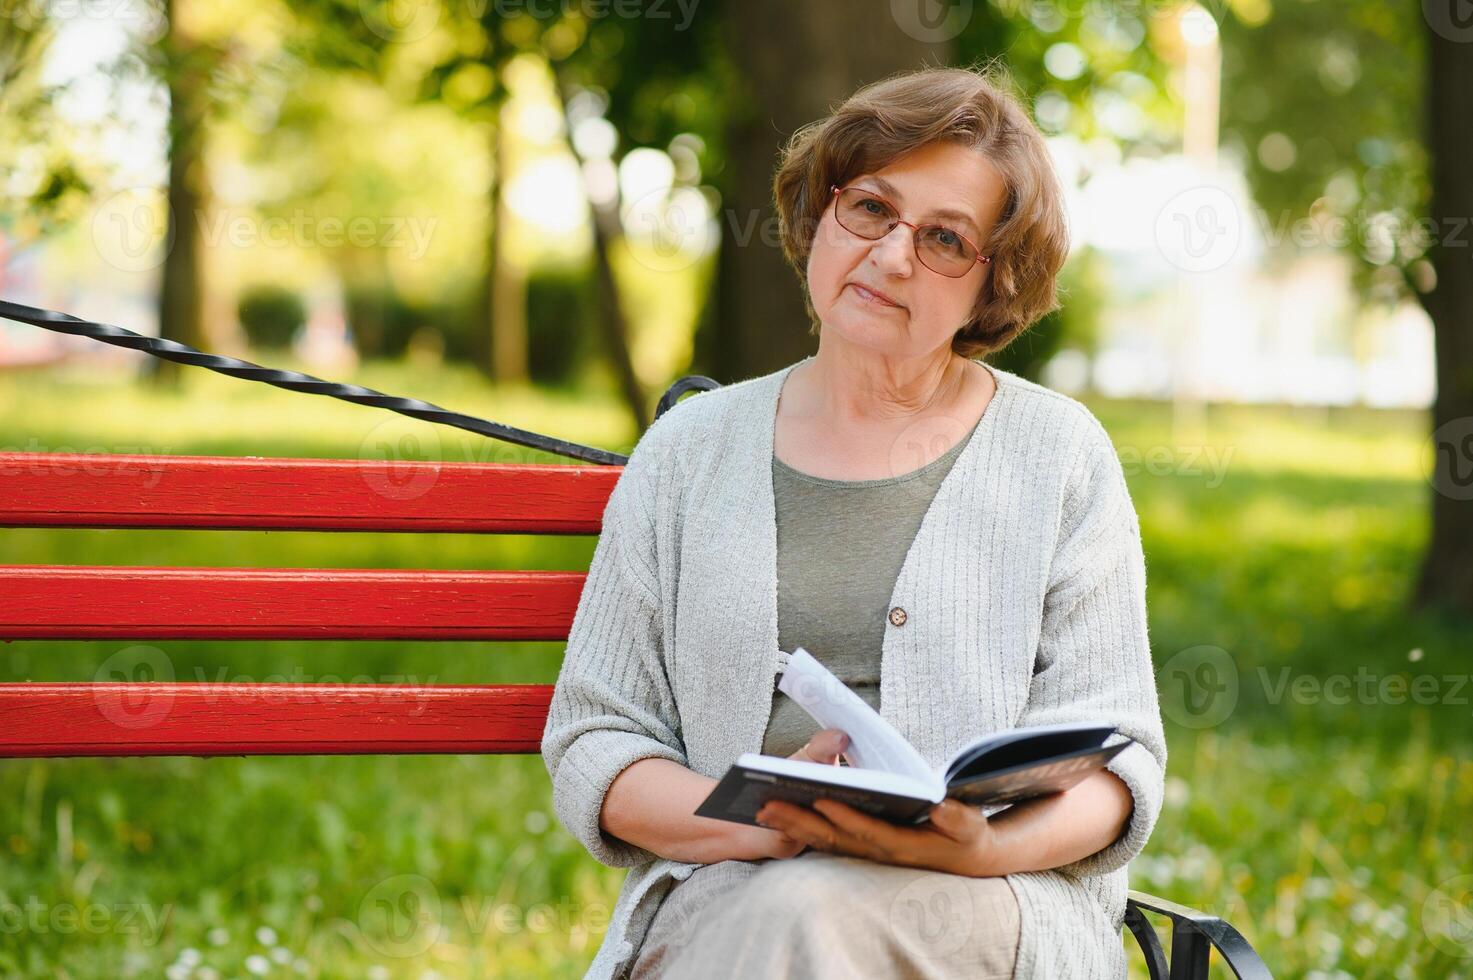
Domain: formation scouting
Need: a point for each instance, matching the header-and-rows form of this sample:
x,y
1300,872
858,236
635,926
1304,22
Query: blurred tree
x,y
41,184
1447,574
469,74
1353,116
184,64
792,63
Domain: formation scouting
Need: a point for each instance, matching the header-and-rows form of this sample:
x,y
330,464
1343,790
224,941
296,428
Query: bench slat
x,y
151,719
80,602
210,492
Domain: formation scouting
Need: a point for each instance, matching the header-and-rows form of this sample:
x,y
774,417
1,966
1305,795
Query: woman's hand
x,y
825,746
958,839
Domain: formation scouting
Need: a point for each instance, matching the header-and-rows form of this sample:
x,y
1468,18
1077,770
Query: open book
x,y
887,777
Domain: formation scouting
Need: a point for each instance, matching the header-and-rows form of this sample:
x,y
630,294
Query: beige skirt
x,y
826,915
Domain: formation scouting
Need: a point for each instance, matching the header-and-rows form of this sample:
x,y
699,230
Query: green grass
x,y
1323,830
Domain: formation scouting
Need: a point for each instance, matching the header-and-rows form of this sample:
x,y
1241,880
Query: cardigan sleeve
x,y
1094,657
612,704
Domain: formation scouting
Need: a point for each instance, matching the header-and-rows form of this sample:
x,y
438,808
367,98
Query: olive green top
x,y
840,548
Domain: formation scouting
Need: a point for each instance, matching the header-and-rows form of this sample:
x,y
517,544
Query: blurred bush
x,y
384,322
561,307
271,315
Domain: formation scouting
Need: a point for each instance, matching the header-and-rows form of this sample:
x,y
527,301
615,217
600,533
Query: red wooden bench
x,y
204,493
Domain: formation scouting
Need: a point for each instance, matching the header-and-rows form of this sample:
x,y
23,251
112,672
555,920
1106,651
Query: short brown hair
x,y
972,107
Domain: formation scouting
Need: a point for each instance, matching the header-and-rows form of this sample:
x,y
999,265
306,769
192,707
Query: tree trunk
x,y
504,302
797,60
181,289
613,324
1447,570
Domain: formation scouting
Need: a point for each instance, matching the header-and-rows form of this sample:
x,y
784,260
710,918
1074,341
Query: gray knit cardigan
x,y
1026,593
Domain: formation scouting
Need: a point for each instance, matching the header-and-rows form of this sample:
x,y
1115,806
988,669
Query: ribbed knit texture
x,y
1025,594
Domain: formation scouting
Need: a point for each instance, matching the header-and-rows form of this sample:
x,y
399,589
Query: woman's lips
x,y
873,297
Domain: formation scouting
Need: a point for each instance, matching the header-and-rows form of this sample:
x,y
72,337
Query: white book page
x,y
873,742
876,780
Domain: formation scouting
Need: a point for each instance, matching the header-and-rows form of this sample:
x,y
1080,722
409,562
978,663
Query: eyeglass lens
x,y
868,216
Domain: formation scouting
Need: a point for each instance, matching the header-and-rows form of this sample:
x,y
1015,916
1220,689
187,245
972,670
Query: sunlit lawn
x,y
1307,801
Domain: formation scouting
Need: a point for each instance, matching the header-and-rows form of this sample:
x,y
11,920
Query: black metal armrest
x,y
1191,933
691,382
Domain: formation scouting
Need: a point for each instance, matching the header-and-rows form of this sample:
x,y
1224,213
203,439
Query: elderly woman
x,y
956,543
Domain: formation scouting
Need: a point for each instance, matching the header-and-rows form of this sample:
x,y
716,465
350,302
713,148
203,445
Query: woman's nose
x,y
894,251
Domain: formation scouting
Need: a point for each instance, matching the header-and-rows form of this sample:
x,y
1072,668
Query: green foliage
x,y
271,315
1323,107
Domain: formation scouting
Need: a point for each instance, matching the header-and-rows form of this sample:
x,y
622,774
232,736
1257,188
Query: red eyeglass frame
x,y
984,259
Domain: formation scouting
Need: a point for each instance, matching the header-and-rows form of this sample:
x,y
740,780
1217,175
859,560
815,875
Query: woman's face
x,y
925,308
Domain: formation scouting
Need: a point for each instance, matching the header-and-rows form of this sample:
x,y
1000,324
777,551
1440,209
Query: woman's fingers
x,y
800,824
956,819
838,828
825,746
841,829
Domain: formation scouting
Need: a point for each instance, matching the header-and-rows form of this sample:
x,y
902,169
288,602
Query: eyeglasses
x,y
940,249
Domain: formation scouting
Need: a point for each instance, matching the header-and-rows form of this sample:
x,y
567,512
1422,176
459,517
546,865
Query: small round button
x,y
897,616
